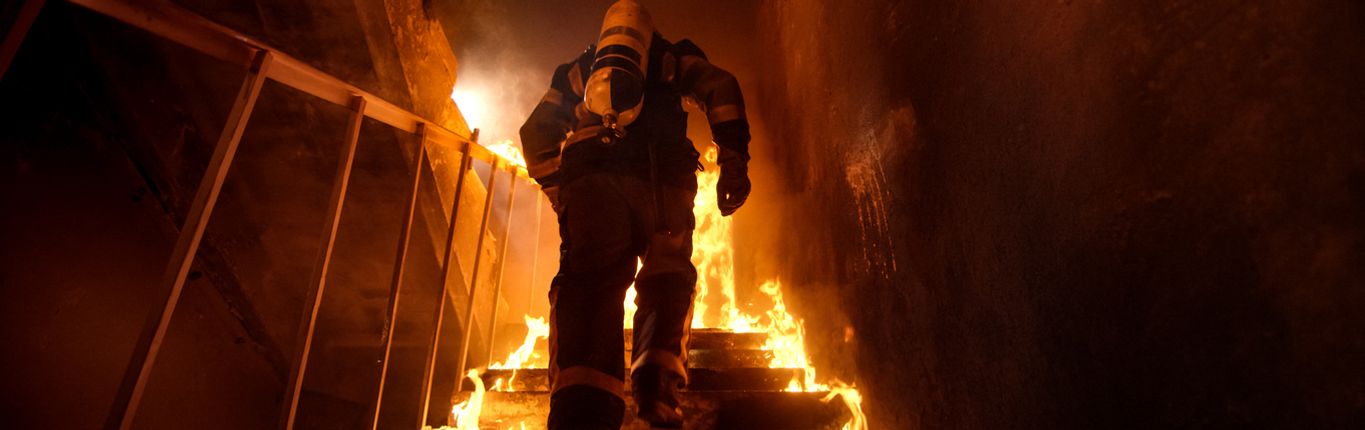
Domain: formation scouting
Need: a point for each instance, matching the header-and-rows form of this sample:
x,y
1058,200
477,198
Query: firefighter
x,y
608,145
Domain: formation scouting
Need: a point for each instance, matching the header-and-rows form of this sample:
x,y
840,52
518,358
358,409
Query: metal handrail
x,y
186,28
262,62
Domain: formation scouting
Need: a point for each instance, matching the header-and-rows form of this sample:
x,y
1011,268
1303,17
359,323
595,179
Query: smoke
x,y
507,51
497,84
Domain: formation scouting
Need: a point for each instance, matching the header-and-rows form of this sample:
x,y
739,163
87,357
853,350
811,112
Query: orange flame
x,y
713,255
509,152
629,303
466,413
853,401
525,356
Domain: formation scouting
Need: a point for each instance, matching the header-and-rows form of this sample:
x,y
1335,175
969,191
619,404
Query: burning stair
x,y
731,387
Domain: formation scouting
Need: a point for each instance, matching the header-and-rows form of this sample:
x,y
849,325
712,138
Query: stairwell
x,y
1115,214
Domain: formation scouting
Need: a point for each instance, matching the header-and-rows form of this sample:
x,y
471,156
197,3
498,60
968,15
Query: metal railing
x,y
262,62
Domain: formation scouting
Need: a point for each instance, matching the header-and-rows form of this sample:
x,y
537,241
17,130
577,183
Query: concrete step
x,y
726,359
699,379
717,339
717,358
701,339
708,410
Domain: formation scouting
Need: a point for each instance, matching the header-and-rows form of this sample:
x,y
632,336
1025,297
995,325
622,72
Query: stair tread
x,y
701,340
724,359
716,339
700,379
702,410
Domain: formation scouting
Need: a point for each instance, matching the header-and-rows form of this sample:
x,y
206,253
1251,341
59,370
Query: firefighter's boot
x,y
657,395
581,407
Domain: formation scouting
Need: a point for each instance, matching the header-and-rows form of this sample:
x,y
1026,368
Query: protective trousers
x,y
607,221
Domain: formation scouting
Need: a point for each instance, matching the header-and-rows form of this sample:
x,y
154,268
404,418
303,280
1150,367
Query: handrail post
x,y
337,203
186,246
535,256
399,267
14,37
447,264
474,278
502,265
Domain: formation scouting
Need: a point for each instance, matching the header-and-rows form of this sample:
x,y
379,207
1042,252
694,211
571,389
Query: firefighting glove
x,y
733,188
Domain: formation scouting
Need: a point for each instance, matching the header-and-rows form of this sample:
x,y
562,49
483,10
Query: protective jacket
x,y
553,137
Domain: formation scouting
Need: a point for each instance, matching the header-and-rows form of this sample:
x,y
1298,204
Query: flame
x,y
525,356
629,303
715,304
509,152
630,307
853,401
786,334
713,256
787,341
466,413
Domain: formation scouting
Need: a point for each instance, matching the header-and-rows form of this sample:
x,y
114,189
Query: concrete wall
x,y
87,233
1075,214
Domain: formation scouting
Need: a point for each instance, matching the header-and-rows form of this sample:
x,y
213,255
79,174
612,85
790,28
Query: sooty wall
x,y
1075,214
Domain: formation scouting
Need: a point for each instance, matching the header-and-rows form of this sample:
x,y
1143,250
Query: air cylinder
x,y
616,86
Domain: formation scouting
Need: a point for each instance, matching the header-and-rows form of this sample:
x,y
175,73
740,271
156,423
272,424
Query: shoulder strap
x,y
685,47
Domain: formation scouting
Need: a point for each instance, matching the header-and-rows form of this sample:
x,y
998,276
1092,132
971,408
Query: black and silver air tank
x,y
616,86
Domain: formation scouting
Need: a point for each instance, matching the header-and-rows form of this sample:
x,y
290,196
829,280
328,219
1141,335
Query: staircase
x,y
730,387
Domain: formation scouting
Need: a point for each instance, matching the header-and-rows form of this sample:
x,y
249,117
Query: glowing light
x,y
473,104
